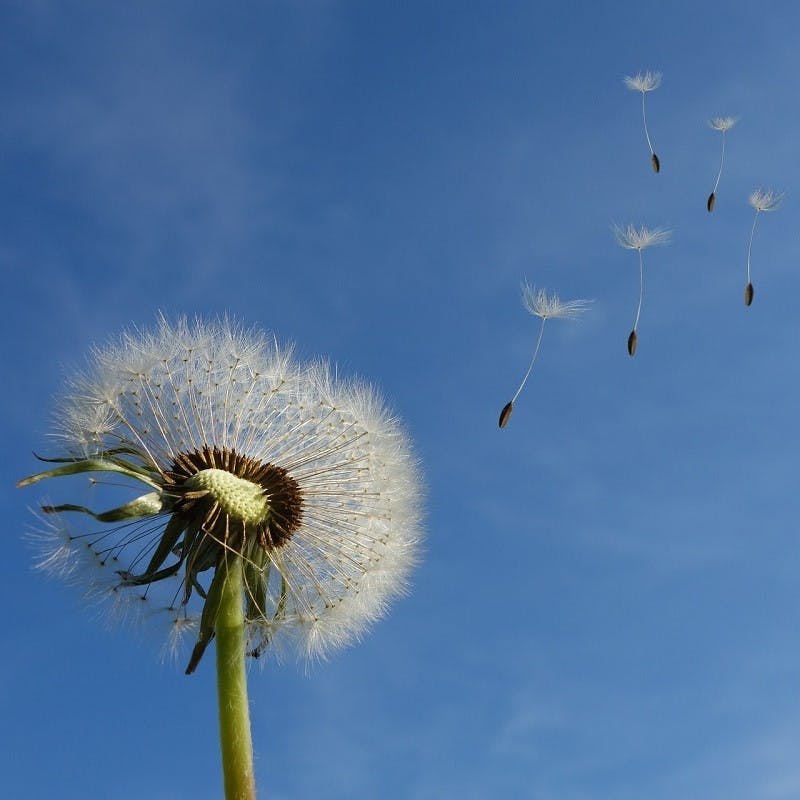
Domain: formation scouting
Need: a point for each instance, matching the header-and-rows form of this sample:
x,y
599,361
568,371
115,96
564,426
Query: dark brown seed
x,y
632,339
656,163
748,294
712,198
505,414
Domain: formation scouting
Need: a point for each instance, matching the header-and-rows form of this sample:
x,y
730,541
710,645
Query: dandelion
x,y
645,82
545,306
760,200
722,124
632,238
282,506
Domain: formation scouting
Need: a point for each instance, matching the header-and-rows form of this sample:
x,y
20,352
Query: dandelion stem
x,y
641,290
646,133
750,246
533,359
234,713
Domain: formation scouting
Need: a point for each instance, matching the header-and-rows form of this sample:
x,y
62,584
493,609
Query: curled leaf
x,y
748,294
632,340
712,198
72,467
656,163
145,506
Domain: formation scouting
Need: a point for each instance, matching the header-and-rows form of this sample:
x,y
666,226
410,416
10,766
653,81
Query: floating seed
x,y
712,198
656,163
748,294
632,339
505,414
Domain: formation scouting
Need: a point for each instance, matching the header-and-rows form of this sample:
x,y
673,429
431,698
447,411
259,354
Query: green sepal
x,y
187,548
129,579
198,587
279,611
257,651
113,451
95,465
200,552
147,505
256,576
208,619
206,555
167,544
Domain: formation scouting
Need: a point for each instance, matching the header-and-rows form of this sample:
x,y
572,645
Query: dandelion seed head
x,y
722,123
550,306
308,478
766,199
643,81
632,238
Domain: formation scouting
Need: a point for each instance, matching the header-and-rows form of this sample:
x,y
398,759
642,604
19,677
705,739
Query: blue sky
x,y
608,606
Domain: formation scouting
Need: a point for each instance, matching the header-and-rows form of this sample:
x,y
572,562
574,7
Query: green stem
x,y
234,713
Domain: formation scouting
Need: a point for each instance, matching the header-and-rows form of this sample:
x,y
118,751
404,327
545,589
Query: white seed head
x,y
549,306
341,540
766,199
632,238
643,81
722,123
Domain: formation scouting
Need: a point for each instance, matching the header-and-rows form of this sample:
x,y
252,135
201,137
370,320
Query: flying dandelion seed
x,y
760,200
722,124
646,82
282,505
544,306
632,238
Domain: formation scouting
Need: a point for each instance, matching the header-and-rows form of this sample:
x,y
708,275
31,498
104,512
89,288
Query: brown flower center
x,y
235,500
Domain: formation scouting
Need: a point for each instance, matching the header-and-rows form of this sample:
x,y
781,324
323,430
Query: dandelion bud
x,y
656,163
632,339
748,294
505,414
712,199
